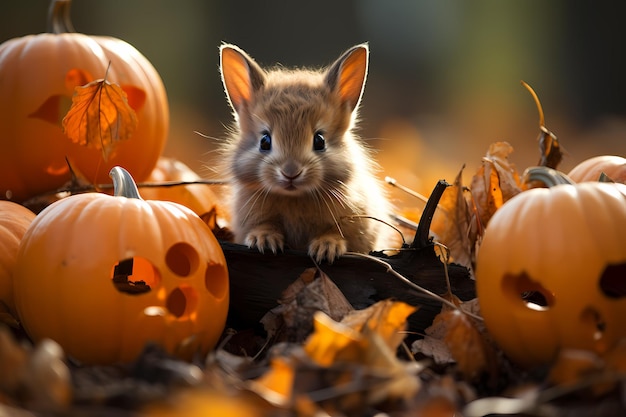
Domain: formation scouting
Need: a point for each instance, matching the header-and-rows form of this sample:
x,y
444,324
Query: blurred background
x,y
444,77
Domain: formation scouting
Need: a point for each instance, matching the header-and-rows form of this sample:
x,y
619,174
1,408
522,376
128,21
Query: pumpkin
x,y
551,271
14,220
198,197
104,275
38,75
590,169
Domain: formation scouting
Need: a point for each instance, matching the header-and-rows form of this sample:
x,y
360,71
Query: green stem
x,y
59,17
123,183
550,177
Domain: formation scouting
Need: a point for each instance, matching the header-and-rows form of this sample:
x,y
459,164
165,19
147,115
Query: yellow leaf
x,y
100,117
332,341
276,385
386,318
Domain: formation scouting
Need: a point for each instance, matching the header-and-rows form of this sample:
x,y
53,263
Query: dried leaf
x,y
496,181
337,344
277,384
464,342
549,146
349,364
100,117
38,377
473,354
313,291
454,224
550,149
333,342
386,318
434,348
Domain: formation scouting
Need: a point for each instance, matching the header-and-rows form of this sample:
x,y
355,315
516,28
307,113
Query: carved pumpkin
x,y
38,74
590,169
104,275
551,271
14,221
198,197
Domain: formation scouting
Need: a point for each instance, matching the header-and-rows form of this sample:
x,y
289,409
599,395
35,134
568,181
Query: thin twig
x,y
411,284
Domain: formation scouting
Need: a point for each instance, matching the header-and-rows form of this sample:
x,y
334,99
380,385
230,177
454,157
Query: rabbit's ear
x,y
241,76
346,76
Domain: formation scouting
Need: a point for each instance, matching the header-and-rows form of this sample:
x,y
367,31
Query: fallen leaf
x,y
495,182
368,339
550,149
473,354
434,348
100,117
344,366
455,337
387,318
454,224
313,291
276,385
39,376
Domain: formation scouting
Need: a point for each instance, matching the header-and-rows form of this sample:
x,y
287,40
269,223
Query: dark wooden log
x,y
258,280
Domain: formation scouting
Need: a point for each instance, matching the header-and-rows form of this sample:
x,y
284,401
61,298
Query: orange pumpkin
x,y
104,275
38,74
551,269
198,197
14,221
590,169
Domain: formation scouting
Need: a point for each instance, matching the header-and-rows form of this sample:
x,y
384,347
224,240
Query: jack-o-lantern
x,y
38,77
104,275
551,271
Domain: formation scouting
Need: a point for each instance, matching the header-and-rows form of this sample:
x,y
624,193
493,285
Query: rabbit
x,y
299,176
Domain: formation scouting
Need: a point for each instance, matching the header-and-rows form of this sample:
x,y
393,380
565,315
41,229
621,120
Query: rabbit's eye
x,y
265,143
319,143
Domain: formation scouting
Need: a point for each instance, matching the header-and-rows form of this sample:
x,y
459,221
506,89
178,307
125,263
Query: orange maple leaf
x,y
100,117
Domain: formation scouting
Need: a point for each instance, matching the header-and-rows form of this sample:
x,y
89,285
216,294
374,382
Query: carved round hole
x,y
522,287
182,302
613,281
182,259
135,276
216,280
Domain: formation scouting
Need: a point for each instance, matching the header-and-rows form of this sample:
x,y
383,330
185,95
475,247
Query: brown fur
x,y
315,211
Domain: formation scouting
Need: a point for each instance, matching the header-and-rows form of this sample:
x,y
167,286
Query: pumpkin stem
x,y
548,176
59,17
123,183
421,239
